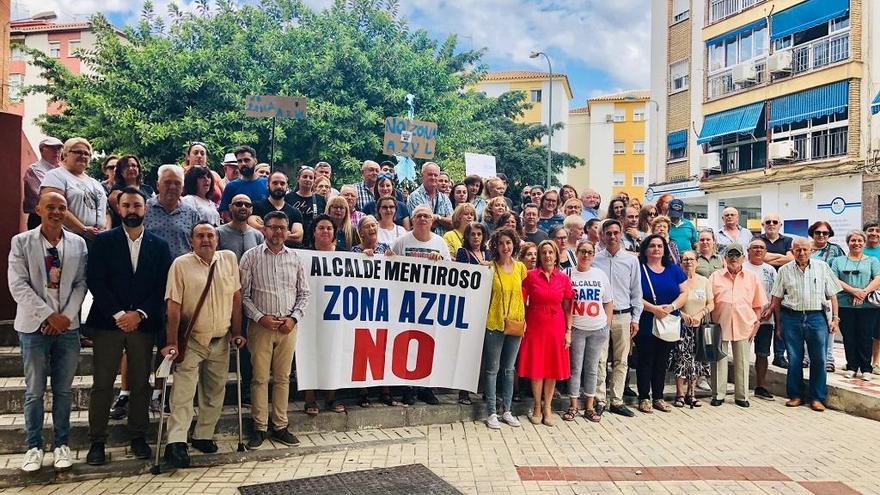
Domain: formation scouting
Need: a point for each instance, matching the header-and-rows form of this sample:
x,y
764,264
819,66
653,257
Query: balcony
x,y
817,54
821,145
722,9
721,83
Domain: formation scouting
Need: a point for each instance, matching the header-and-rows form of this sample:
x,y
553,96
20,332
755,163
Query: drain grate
x,y
404,480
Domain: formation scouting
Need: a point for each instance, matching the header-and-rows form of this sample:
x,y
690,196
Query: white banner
x,y
391,321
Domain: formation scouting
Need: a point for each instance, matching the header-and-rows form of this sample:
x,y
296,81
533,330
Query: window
x,y
619,179
743,47
18,52
680,10
639,147
619,115
638,115
678,154
55,49
679,79
535,96
619,147
72,46
817,138
638,179
15,83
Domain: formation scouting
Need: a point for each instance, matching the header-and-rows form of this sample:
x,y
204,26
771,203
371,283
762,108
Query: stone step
x,y
10,361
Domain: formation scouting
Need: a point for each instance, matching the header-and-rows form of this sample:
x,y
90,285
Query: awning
x,y
812,103
742,120
875,104
806,15
736,32
677,140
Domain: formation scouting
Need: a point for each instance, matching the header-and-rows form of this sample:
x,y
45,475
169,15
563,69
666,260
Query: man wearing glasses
x,y
369,174
767,275
731,231
237,236
778,254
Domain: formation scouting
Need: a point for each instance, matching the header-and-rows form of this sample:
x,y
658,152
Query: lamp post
x,y
549,115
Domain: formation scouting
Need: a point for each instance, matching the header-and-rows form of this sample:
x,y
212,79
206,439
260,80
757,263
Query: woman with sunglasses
x,y
859,275
591,310
647,214
698,305
823,249
385,186
109,170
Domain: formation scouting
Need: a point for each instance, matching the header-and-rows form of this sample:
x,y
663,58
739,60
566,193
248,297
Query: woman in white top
x,y
198,184
591,317
86,199
386,208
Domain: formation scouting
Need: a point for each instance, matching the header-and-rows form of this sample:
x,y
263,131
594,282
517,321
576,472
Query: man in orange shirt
x,y
739,297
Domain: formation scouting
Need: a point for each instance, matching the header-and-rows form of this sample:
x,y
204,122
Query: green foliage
x,y
167,84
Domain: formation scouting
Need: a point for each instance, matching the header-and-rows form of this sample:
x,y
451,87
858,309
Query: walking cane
x,y
164,371
241,446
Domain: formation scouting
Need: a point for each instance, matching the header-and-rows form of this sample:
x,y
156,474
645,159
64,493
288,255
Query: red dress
x,y
543,353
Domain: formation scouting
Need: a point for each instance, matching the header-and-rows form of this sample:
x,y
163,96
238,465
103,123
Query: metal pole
x,y
272,147
550,124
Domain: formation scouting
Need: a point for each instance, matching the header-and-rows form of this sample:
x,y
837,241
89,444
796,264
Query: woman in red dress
x,y
543,356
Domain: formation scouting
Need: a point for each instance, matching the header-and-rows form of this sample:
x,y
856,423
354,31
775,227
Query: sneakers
x,y
156,403
284,436
704,385
866,377
763,393
492,422
120,408
510,419
33,460
257,439
849,375
61,458
876,369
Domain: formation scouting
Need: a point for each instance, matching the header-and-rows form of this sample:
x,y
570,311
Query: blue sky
x,y
602,45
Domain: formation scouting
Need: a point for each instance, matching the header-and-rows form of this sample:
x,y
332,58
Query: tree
x,y
165,85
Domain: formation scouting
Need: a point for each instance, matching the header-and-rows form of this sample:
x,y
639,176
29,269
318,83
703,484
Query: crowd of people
x,y
203,264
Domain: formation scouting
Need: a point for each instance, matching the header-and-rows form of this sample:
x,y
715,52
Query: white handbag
x,y
668,328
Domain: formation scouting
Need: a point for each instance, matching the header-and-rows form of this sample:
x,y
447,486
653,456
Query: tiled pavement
x,y
766,449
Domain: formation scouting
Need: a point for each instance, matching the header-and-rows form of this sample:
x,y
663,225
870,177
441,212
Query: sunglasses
x,y
242,204
822,233
733,255
771,222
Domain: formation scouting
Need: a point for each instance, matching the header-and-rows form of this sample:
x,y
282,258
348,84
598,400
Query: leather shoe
x,y
176,455
795,402
716,402
257,439
599,407
621,410
742,403
96,456
140,449
817,406
427,396
205,446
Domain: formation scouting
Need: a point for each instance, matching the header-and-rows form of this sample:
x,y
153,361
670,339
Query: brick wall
x,y
677,171
678,105
855,23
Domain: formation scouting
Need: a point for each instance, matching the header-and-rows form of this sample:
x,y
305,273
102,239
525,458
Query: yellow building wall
x,y
579,146
629,163
532,115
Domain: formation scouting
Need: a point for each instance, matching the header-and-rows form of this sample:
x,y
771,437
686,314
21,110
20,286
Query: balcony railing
x,y
818,53
722,83
722,9
822,144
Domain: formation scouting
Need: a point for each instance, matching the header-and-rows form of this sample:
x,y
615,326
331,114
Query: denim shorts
x,y
763,339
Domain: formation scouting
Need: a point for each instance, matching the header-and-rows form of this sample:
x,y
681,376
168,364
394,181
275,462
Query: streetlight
x,y
549,115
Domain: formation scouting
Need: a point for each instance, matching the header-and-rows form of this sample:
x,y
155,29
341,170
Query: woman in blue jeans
x,y
591,318
500,350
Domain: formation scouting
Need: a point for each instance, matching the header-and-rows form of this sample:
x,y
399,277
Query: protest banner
x,y
394,320
477,164
412,138
281,107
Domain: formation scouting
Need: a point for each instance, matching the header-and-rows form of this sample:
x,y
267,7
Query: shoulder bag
x,y
183,336
513,328
667,329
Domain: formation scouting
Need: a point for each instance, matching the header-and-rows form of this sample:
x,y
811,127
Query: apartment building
x,y
767,105
618,144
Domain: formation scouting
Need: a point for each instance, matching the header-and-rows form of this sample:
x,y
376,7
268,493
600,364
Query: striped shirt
x,y
805,290
273,284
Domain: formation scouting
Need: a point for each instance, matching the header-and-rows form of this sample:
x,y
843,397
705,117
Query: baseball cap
x,y
734,247
230,159
676,208
51,142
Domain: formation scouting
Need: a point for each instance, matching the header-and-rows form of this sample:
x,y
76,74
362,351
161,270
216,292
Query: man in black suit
x,y
127,271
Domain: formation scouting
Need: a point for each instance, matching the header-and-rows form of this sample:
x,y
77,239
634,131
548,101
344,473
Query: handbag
x,y
708,348
669,328
513,328
183,337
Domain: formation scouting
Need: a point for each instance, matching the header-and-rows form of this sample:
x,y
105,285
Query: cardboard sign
x,y
477,164
399,320
281,107
412,138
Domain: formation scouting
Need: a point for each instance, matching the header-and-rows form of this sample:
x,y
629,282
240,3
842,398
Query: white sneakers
x,y
849,375
33,459
493,422
62,459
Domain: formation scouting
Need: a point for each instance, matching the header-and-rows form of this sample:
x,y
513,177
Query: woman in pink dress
x,y
543,356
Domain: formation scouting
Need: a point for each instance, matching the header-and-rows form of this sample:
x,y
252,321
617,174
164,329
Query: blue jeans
x,y
812,329
499,356
55,357
584,351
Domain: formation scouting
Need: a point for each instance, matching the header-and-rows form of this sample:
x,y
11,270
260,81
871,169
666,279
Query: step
x,y
11,365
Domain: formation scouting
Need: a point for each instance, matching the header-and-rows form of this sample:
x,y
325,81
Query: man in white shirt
x,y
421,242
767,275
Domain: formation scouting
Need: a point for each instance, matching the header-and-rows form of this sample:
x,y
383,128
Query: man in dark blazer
x,y
126,275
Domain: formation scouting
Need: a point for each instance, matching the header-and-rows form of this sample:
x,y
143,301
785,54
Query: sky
x,y
602,45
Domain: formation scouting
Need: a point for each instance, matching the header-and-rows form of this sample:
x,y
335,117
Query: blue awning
x,y
677,140
806,15
875,104
742,120
812,103
736,32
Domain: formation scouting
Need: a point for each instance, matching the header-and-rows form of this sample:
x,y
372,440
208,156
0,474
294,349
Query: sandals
x,y
311,408
692,401
464,399
645,406
679,401
570,414
661,405
335,406
388,400
591,415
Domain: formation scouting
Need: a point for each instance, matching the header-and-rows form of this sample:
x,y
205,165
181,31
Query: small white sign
x,y
477,164
406,137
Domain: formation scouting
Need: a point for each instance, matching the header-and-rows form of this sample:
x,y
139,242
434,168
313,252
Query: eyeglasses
x,y
689,260
733,255
585,252
389,207
82,153
242,204
823,233
276,227
851,272
422,216
771,222
561,237
652,214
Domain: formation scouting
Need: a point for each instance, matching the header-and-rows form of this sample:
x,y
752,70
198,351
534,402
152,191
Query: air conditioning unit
x,y
779,62
744,73
875,144
782,150
609,118
710,161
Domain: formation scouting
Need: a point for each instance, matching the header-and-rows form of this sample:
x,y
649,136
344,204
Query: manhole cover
x,y
413,478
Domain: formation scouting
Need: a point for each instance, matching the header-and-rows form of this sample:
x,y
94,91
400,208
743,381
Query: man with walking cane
x,y
203,316
274,292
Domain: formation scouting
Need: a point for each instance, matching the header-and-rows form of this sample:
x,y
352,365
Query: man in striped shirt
x,y
274,293
801,288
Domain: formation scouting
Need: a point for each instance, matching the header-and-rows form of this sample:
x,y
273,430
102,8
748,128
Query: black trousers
x,y
857,327
653,359
108,347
